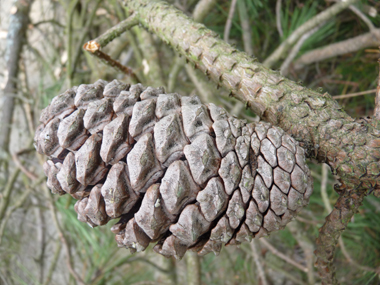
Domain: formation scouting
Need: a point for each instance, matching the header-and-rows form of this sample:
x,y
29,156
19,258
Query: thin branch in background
x,y
53,263
202,89
69,259
228,25
193,268
95,45
336,222
340,48
111,62
364,18
326,15
69,39
16,38
284,257
353,262
83,35
355,94
325,197
173,74
20,201
377,98
6,193
152,68
258,262
307,247
116,31
24,170
202,9
294,51
278,18
246,27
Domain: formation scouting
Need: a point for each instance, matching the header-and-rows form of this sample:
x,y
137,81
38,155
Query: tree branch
x,y
202,8
258,262
227,27
347,46
278,18
16,38
344,209
349,146
377,99
304,28
294,51
94,46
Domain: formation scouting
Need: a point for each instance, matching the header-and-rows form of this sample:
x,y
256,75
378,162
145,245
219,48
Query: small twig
x,y
228,25
355,94
326,15
284,257
288,274
28,173
307,221
353,262
258,262
53,265
347,46
203,91
84,30
294,51
193,268
307,247
246,27
202,8
94,46
278,18
69,260
377,98
111,62
20,201
151,60
324,195
7,193
176,68
69,39
345,82
364,18
116,31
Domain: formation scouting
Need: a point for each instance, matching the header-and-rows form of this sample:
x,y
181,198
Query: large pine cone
x,y
175,171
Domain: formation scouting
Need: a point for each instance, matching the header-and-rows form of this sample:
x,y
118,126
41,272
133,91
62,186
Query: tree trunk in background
x,y
15,40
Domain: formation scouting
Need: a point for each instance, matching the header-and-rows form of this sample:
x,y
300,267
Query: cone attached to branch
x,y
174,171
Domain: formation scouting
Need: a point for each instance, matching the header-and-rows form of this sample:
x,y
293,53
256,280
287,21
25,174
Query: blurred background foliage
x,y
41,240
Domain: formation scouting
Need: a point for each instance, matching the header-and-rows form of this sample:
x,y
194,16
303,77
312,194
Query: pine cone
x,y
175,171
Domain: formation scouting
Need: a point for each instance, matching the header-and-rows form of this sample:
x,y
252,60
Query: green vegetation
x,y
31,248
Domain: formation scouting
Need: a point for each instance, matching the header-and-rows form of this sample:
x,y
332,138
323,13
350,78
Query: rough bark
x,y
349,146
346,206
15,40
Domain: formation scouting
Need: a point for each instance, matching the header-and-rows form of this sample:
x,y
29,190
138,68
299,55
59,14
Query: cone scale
x,y
174,171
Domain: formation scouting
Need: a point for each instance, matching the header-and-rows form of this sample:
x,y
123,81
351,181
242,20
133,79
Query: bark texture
x,y
350,146
344,209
